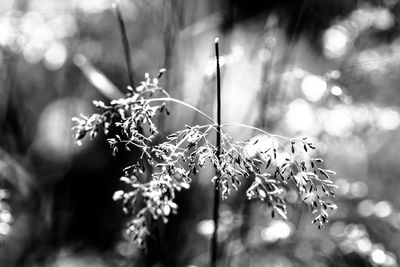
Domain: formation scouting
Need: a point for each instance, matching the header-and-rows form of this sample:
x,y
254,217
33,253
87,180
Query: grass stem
x,y
214,240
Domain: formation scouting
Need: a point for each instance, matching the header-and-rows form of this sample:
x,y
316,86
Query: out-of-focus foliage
x,y
328,70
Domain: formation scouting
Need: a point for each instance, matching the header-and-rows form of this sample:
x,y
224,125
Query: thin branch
x,y
187,136
259,130
170,99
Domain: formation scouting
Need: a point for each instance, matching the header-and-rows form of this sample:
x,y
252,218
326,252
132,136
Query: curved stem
x,y
156,89
258,129
170,99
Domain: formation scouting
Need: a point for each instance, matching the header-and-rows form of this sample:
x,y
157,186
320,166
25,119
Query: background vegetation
x,y
328,70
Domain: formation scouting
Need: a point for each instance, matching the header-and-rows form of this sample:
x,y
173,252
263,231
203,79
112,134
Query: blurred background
x,y
326,69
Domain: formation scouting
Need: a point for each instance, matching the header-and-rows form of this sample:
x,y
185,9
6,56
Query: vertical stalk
x,y
214,240
125,43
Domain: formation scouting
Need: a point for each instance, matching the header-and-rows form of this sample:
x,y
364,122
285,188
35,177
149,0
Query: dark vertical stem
x,y
214,240
125,43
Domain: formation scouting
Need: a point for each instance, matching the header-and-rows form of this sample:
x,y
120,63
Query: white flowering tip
x,y
118,195
163,70
173,205
166,210
262,193
216,40
139,88
185,185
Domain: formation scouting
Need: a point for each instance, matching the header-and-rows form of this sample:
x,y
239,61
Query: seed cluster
x,y
171,164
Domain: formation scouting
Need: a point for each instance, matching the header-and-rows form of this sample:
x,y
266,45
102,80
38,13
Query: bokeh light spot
x,y
339,121
337,229
382,209
5,228
54,138
343,187
364,245
359,189
389,119
55,56
126,248
313,87
205,227
276,230
5,216
366,208
335,42
383,19
33,52
300,116
378,256
336,90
